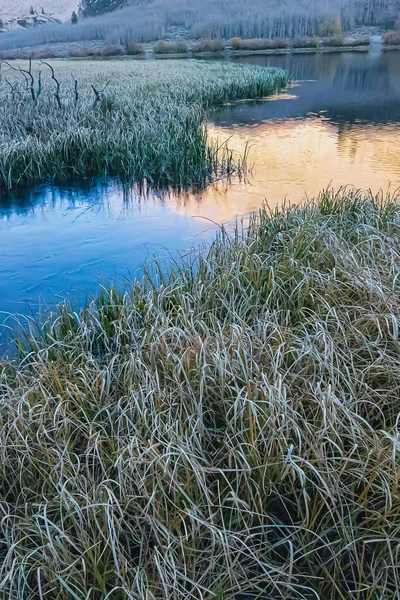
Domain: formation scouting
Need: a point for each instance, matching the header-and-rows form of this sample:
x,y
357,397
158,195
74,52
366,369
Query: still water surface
x,y
338,124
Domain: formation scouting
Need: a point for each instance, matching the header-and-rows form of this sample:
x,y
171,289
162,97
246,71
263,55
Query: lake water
x,y
338,124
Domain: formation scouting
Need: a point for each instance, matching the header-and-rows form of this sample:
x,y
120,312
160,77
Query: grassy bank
x,y
229,428
142,121
204,47
319,50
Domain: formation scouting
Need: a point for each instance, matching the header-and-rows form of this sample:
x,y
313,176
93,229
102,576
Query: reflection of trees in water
x,y
350,71
86,195
352,139
343,87
26,200
378,79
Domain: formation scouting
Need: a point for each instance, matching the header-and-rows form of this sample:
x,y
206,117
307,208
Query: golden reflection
x,y
297,159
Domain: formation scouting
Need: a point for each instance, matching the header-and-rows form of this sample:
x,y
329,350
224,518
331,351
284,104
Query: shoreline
x,y
227,53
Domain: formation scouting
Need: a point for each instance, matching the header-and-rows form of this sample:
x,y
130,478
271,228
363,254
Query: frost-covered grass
x,y
226,430
148,123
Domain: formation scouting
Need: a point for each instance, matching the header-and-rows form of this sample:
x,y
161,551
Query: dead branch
x,y
75,89
39,90
13,87
54,78
27,75
98,93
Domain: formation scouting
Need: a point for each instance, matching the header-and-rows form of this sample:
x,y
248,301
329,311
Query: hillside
x,y
61,9
11,10
94,8
147,21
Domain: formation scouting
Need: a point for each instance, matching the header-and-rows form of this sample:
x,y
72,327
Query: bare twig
x,y
75,89
39,91
54,78
98,93
13,87
27,75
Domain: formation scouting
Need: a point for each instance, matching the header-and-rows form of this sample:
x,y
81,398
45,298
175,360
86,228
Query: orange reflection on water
x,y
296,159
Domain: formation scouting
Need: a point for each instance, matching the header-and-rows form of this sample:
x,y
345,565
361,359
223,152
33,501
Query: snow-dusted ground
x,y
60,9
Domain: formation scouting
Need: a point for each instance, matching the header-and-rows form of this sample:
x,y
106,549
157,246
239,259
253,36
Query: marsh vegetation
x,y
224,425
229,427
140,121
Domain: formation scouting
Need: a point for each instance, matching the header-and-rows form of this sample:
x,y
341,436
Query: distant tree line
x,y
148,20
94,8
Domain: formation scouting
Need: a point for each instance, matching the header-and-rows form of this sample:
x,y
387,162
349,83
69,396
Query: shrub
x,y
364,41
260,44
256,44
164,47
305,42
333,41
133,48
7,55
113,51
354,42
43,54
237,43
280,43
392,38
209,46
83,52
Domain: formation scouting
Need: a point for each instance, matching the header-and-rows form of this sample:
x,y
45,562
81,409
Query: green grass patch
x,y
137,120
228,427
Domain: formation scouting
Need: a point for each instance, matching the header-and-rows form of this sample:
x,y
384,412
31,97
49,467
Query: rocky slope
x,y
15,14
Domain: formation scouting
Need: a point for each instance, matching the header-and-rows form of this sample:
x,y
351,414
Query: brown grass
x,y
214,46
392,38
163,47
133,48
113,51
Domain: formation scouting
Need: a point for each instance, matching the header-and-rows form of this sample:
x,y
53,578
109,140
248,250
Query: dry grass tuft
x,y
228,428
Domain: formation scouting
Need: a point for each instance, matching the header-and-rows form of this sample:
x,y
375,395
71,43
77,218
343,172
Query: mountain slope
x,y
15,9
93,8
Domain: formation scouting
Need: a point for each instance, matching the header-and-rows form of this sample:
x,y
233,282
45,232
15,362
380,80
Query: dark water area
x,y
338,124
